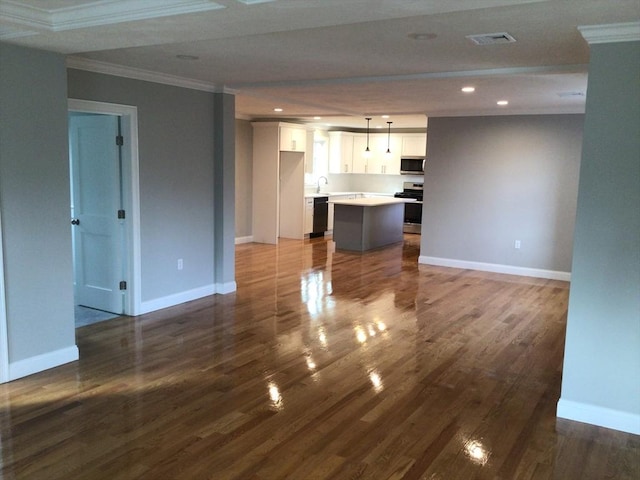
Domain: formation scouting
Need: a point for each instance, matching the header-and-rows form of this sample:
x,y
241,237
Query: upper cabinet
x,y
293,139
340,152
359,161
414,144
347,153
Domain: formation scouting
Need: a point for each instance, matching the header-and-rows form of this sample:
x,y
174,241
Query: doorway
x,y
104,209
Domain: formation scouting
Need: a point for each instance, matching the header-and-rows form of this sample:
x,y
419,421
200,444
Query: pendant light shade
x,y
367,152
388,152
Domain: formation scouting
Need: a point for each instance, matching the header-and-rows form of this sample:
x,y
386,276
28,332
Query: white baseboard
x,y
495,268
600,416
240,240
224,288
45,361
177,299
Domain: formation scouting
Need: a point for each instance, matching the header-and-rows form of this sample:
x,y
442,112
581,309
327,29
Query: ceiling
x,y
341,60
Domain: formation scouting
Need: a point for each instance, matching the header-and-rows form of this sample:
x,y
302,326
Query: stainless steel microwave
x,y
412,165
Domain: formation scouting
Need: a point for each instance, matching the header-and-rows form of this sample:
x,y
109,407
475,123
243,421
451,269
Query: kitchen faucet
x,y
326,182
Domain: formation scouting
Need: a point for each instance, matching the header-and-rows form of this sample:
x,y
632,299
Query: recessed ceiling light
x,y
277,109
317,118
468,89
187,57
502,103
385,116
422,36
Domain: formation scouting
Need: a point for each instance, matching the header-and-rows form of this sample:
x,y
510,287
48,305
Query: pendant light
x,y
367,152
388,152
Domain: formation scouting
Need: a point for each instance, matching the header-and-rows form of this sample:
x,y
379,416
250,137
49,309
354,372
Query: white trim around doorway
x,y
4,340
131,176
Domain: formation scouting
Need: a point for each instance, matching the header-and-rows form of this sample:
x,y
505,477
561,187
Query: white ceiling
x,y
338,59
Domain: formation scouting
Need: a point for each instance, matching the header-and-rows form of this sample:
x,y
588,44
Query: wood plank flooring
x,y
323,365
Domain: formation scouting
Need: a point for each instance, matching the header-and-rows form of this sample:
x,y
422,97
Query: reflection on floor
x,y
87,316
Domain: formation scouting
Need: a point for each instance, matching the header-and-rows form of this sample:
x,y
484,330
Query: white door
x,y
96,194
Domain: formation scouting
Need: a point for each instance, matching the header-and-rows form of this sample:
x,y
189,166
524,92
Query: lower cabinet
x,y
308,215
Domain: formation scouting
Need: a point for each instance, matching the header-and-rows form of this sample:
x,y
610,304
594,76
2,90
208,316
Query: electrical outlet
x,y
180,264
516,244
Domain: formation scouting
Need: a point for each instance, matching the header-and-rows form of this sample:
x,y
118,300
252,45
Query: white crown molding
x,y
255,2
616,32
12,32
99,13
79,63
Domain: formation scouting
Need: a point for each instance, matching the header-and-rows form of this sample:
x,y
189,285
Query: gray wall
x,y
244,179
34,198
602,350
176,150
492,180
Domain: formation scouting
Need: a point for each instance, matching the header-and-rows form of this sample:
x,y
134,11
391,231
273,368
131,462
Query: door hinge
x,y
119,140
121,214
123,285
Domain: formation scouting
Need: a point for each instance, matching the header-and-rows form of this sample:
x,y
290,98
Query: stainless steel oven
x,y
412,210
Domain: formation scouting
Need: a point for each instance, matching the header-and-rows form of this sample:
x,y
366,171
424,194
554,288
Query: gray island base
x,y
366,223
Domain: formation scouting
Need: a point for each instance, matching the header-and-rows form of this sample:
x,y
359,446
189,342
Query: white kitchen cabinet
x,y
391,163
378,162
346,151
309,153
360,162
278,176
293,139
340,152
414,144
308,215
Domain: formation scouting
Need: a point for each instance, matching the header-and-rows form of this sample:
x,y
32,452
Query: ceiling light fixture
x,y
468,89
502,103
367,152
388,152
277,109
317,118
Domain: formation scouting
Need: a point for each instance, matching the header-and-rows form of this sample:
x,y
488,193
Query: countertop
x,y
372,201
335,194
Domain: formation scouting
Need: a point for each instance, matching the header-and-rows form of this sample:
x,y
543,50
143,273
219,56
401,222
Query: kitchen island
x,y
364,223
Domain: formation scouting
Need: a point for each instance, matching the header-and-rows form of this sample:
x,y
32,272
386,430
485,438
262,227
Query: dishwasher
x,y
320,216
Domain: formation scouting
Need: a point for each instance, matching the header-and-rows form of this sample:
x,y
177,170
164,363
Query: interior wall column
x,y
224,192
601,372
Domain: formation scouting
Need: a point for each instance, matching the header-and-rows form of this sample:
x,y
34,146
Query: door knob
x,y
75,221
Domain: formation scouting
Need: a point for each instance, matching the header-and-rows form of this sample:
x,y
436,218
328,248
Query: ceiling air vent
x,y
491,38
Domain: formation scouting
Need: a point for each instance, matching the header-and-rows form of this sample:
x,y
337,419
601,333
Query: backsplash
x,y
353,182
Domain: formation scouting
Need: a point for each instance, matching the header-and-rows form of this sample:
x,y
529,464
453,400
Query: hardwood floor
x,y
323,365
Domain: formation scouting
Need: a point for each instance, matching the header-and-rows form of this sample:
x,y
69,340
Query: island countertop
x,y
372,201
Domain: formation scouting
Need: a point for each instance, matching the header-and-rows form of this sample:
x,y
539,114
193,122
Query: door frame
x,y
4,339
130,190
